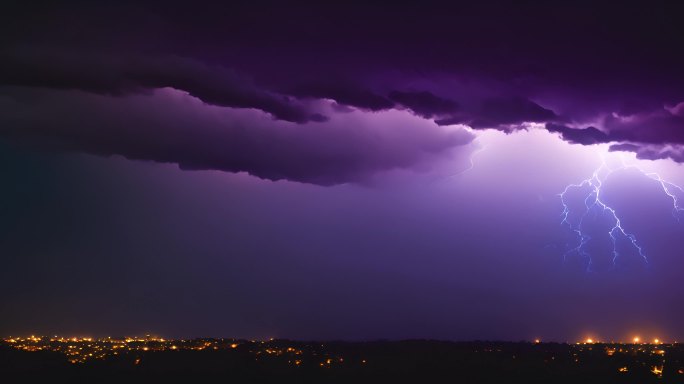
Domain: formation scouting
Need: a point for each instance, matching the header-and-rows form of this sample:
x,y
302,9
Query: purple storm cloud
x,y
580,69
170,126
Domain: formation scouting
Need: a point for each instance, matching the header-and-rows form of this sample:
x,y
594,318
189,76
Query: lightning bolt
x,y
471,161
471,164
594,202
667,189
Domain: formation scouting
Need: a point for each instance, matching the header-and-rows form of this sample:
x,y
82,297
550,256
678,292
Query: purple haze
x,y
338,170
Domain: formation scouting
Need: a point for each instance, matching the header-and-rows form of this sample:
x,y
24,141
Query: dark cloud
x,y
651,152
656,127
624,147
169,126
343,94
121,74
424,103
514,110
585,136
500,113
654,134
496,66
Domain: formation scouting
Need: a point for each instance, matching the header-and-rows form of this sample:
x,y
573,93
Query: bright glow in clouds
x,y
595,210
594,205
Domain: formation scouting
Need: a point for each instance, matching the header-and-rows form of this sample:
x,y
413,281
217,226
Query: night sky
x,y
342,170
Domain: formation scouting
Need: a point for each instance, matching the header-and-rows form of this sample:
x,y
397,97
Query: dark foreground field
x,y
281,361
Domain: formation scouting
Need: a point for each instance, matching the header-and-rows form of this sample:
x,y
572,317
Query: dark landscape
x,y
146,359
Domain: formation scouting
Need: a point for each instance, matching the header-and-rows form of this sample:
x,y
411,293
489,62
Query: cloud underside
x,y
179,110
300,93
199,116
170,126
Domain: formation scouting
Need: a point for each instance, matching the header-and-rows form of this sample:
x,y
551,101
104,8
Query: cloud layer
x,y
170,126
583,70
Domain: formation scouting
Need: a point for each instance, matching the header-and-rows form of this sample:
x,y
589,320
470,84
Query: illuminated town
x,y
85,349
638,359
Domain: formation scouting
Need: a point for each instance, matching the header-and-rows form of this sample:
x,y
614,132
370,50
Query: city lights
x,y
83,349
628,358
